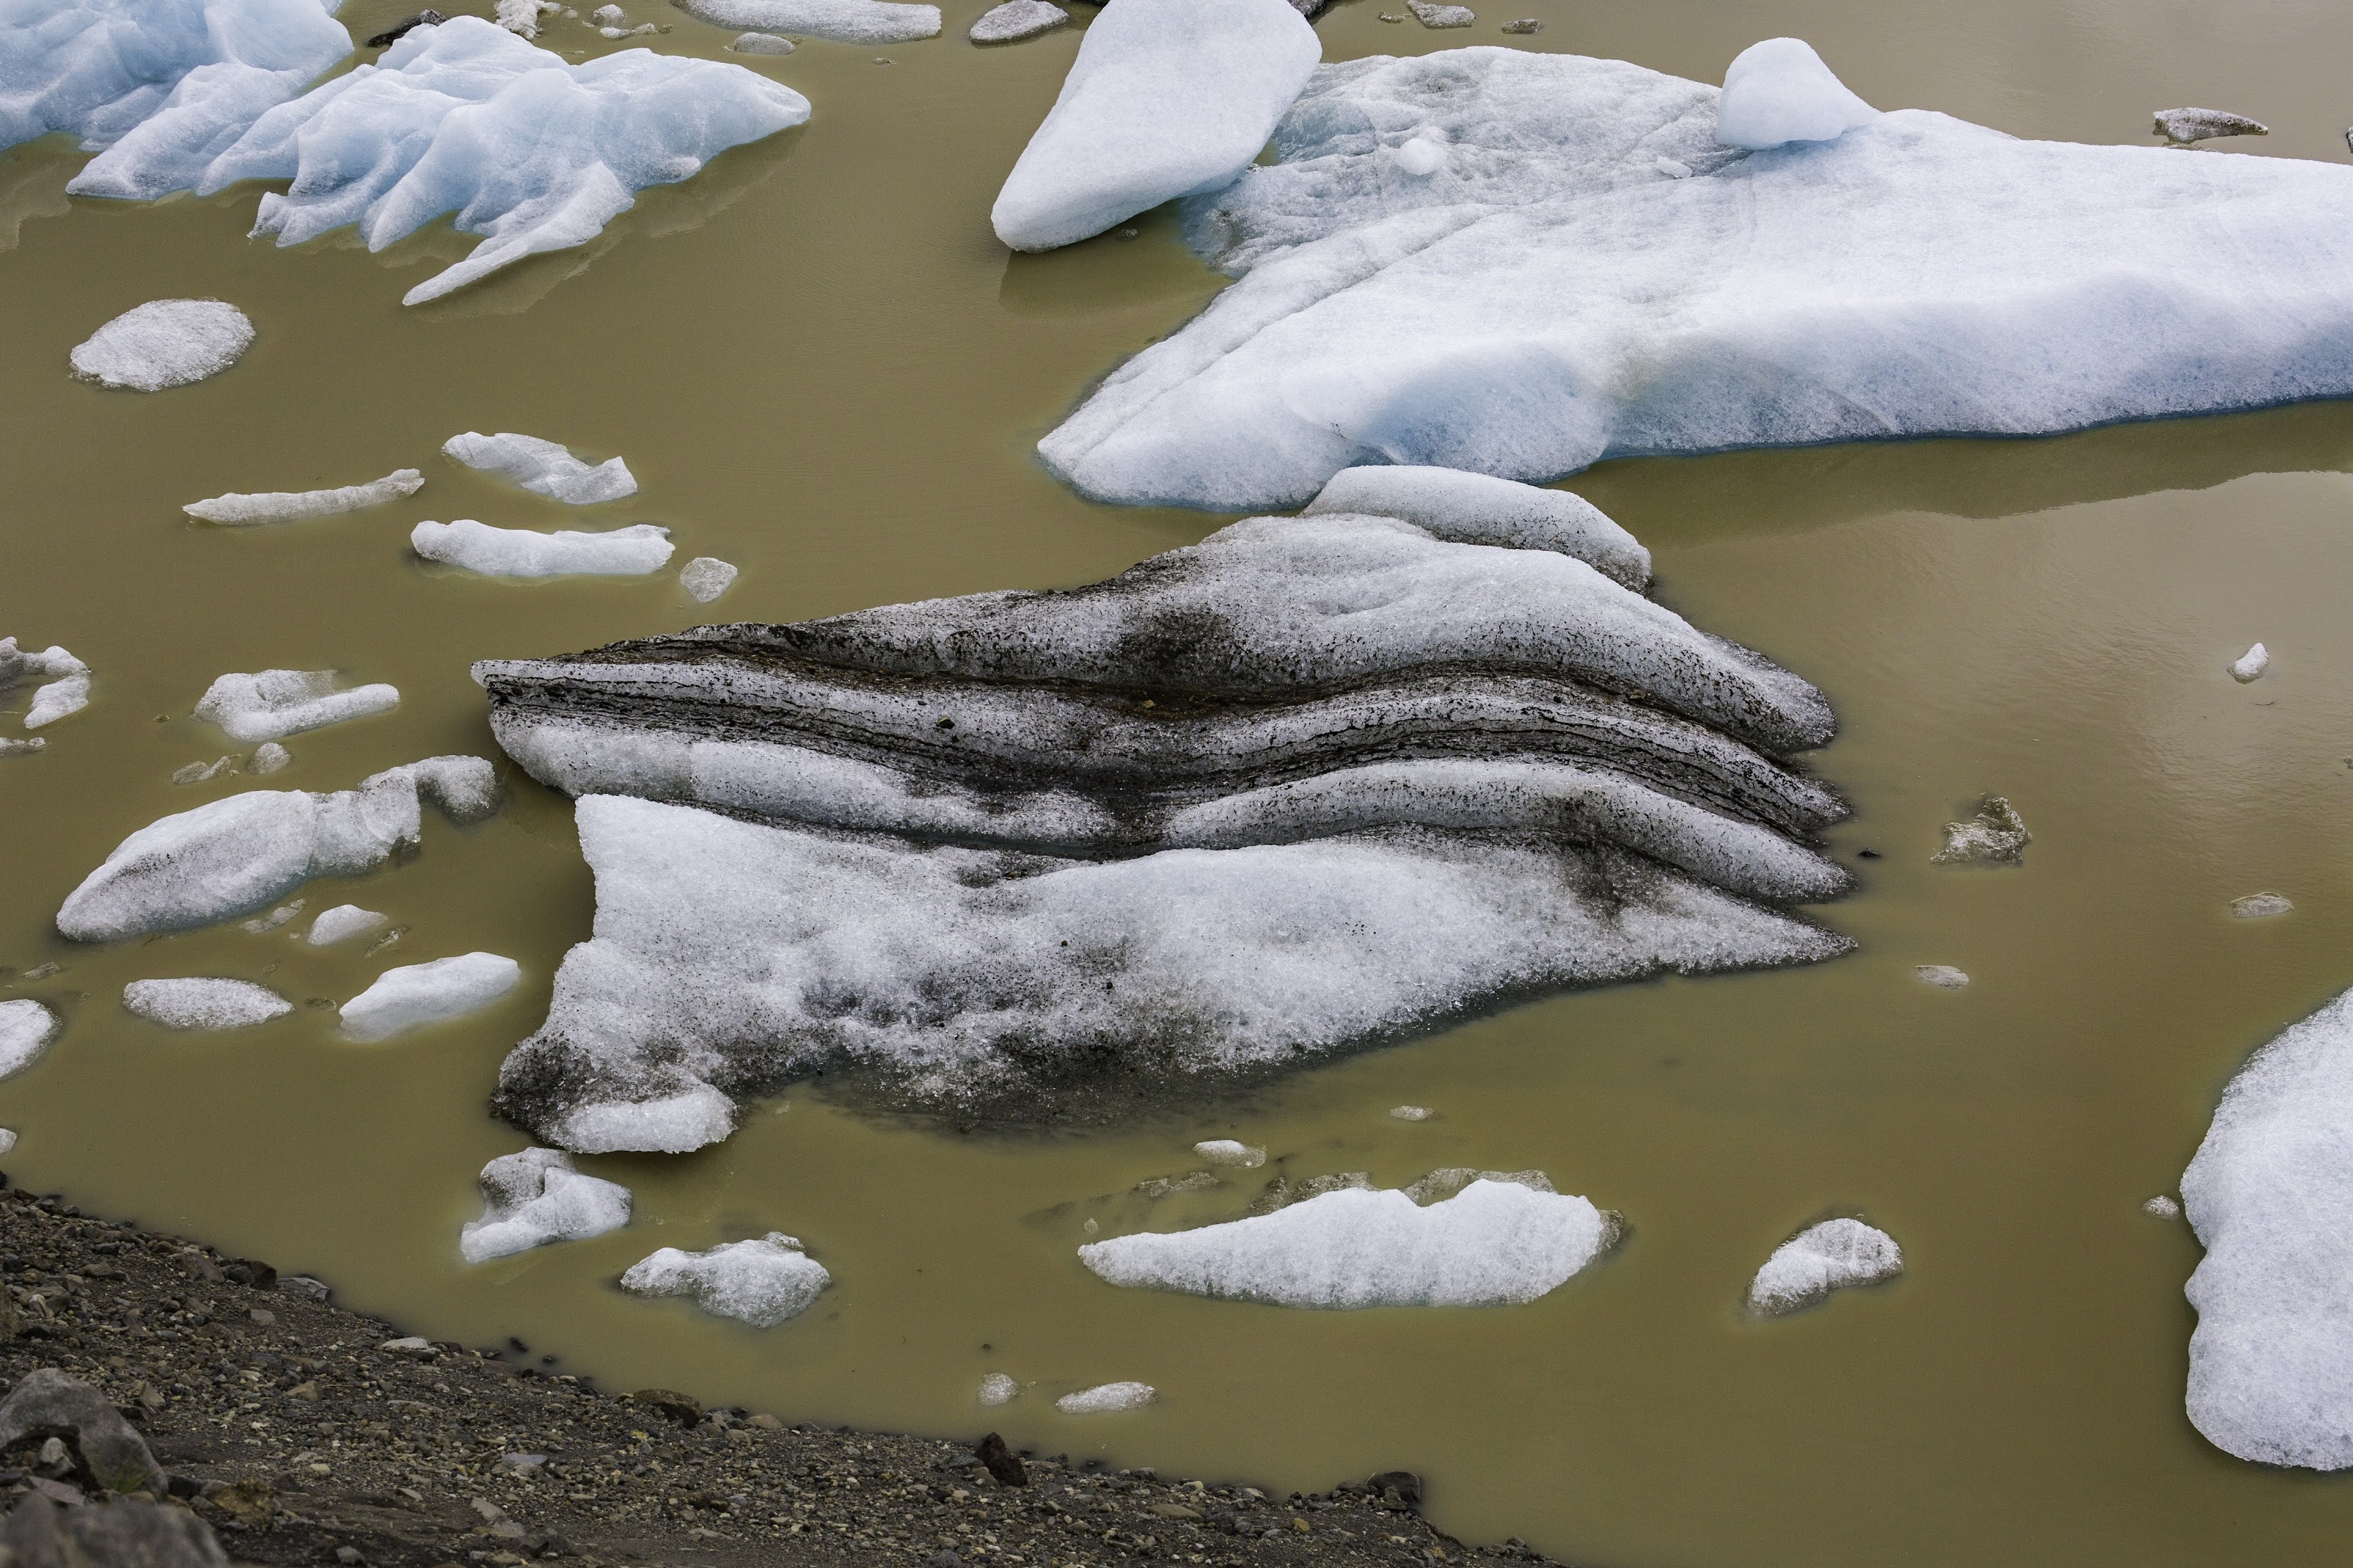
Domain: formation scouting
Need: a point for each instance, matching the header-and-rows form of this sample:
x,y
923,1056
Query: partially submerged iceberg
x,y
26,1030
837,21
1167,98
164,343
544,467
240,511
762,1282
1780,92
1492,1244
272,704
419,993
1995,835
534,1197
1590,273
340,924
1105,1398
204,1004
630,552
1821,1259
237,854
67,681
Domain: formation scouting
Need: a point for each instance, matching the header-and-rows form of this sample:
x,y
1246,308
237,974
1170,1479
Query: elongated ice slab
x,y
762,1282
534,1197
837,21
1821,1259
1015,20
204,1003
236,509
274,703
164,343
416,995
67,681
1105,1398
27,1027
1780,92
630,552
547,467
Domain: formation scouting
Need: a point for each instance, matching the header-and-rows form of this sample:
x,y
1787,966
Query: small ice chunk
x,y
534,1197
2261,906
67,690
341,923
610,16
1106,1397
1155,1188
996,1389
268,758
164,343
202,772
837,21
706,577
1477,509
1942,976
2250,665
419,993
26,1030
760,44
238,509
1017,19
1780,92
8,1140
2161,1207
2180,127
1435,16
640,31
270,703
11,747
1422,157
1820,1260
630,552
1996,835
204,1004
1411,1112
760,1282
1524,26
263,925
58,700
1229,1152
520,17
543,467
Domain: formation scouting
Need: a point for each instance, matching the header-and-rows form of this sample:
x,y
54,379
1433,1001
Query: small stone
x,y
1403,1485
523,1461
766,1423
302,1285
681,1408
306,1392
938,1559
46,1400
201,772
2259,906
1942,976
349,1556
1435,16
1173,1510
410,1344
262,1315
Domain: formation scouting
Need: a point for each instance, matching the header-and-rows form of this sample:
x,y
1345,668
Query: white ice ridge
x,y
1592,274
760,1283
1475,509
164,343
26,1030
274,703
1167,98
67,682
154,82
464,118
238,509
341,923
1106,1397
534,1197
235,854
1494,1244
544,467
837,21
1780,92
416,995
2270,1195
204,1004
1821,1259
630,552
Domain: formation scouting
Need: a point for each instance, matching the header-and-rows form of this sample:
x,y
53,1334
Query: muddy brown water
x,y
823,368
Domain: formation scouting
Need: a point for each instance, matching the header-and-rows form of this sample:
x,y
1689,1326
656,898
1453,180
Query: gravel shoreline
x,y
306,1433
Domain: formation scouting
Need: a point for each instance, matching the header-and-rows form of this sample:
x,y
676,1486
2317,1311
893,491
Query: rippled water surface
x,y
823,368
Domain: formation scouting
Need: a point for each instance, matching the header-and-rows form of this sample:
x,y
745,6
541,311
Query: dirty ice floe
x,y
419,993
1411,1112
2161,1207
998,1388
837,21
1106,1397
236,509
1558,294
164,343
233,855
1167,98
268,758
2261,906
1015,20
760,44
204,1004
2180,127
67,682
340,924
534,1197
1492,1244
630,552
1433,15
1942,976
273,703
1229,1152
1996,835
706,577
762,1282
2250,665
1820,1260
545,468
1474,509
26,1030
1780,92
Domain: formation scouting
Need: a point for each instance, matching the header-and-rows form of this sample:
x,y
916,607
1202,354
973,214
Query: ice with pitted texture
x,y
240,511
1477,509
27,1027
1106,1397
1780,92
837,21
237,854
706,577
1015,20
1492,1244
204,1004
534,1197
164,343
1167,98
67,688
1592,274
274,703
544,467
762,1282
416,995
1821,1259
996,1388
630,552
341,923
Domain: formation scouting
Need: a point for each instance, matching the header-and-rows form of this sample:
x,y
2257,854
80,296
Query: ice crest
x,y
763,1282
1474,509
1780,92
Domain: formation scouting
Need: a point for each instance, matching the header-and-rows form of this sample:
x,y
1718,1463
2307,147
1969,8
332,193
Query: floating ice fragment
x,y
268,758
341,923
1942,976
1447,1180
1229,1152
996,1388
760,1283
420,994
56,700
1106,1397
670,1123
67,690
1154,1188
202,772
26,1030
1996,835
204,1004
520,17
837,21
8,1140
534,1197
276,702
1474,509
1780,92
264,924
706,577
760,44
2250,665
1015,20
630,552
1524,26
2161,1207
1821,1259
11,747
610,16
239,510
640,31
2180,127
1432,14
547,467
2259,906
1411,1112
164,343
1167,98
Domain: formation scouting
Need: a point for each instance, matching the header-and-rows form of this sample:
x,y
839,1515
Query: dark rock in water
x,y
130,1534
1004,1464
1403,1486
407,25
112,1454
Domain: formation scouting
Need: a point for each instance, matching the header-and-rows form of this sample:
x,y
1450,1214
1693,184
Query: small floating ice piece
x,y
58,700
1411,1112
837,21
760,1283
760,44
271,703
2180,127
238,509
1942,976
1820,1260
26,1030
262,925
1475,509
544,467
1106,1397
67,690
202,772
1524,26
2161,1207
1780,92
1017,19
534,1197
8,1140
630,552
11,747
268,758
998,1388
2250,665
204,1004
706,577
1432,14
341,923
1996,835
2259,906
419,993
1229,1152
164,343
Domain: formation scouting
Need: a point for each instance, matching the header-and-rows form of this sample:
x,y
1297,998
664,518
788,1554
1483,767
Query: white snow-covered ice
x,y
1106,1397
340,924
998,1388
164,343
1477,509
1780,92
238,509
706,577
1821,1259
204,1004
544,467
762,1282
27,1027
1015,20
66,678
2250,665
836,21
630,552
273,703
1229,1152
534,1197
416,995
1167,98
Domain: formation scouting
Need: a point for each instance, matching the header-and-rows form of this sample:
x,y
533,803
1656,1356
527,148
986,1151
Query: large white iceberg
x,y
238,509
838,21
630,552
544,467
199,1002
1167,98
763,1282
534,1197
164,343
1588,273
272,704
